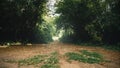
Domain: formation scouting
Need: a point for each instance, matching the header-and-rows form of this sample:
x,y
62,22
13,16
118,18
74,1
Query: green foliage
x,y
105,46
33,60
52,61
49,66
112,47
76,19
43,33
19,19
85,56
94,21
92,54
47,61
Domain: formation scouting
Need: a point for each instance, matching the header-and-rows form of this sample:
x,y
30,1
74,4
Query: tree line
x,y
96,21
21,20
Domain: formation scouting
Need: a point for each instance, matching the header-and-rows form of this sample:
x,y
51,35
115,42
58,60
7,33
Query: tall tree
x,y
90,20
76,14
18,19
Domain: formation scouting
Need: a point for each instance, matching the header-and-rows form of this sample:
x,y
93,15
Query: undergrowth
x,y
39,61
114,47
33,60
85,56
50,66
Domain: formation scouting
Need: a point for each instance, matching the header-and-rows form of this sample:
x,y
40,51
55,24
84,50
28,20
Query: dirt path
x,y
21,52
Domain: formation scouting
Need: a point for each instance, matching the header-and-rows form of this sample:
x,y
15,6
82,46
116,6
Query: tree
x,y
18,19
91,20
112,28
78,18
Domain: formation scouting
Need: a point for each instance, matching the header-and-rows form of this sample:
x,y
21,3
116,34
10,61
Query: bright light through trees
x,y
50,18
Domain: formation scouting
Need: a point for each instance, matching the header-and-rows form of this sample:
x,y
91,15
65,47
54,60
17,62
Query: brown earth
x,y
17,52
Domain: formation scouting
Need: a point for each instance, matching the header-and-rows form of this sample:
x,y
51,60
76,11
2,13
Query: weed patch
x,y
33,60
48,61
112,47
85,56
52,60
50,66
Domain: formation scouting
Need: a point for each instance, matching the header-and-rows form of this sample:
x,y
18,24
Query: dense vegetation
x,y
22,21
96,21
38,61
86,57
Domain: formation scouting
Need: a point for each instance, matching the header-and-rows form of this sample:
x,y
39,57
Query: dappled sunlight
x,y
4,46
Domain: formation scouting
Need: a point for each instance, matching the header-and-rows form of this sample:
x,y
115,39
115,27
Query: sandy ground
x,y
17,52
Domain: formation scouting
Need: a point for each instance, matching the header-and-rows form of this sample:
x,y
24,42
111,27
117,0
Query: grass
x,y
50,66
85,56
105,46
52,59
47,61
33,60
112,47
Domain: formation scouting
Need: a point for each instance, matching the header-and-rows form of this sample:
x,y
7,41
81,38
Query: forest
x,y
22,21
83,21
95,21
91,21
59,33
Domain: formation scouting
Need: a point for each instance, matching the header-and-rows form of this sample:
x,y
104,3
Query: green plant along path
x,y
52,60
85,56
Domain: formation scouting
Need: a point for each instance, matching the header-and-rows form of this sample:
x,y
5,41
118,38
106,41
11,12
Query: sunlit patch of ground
x,y
16,52
4,46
